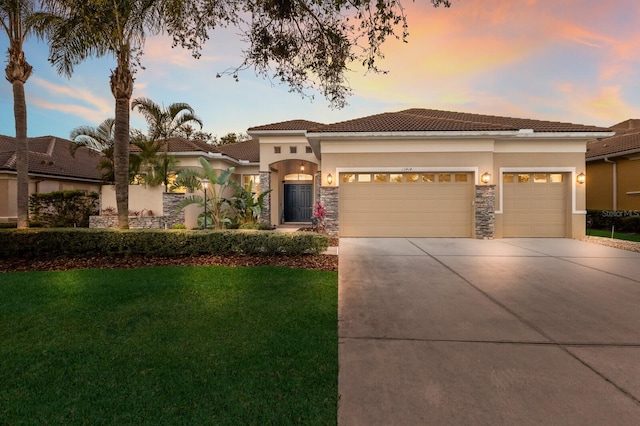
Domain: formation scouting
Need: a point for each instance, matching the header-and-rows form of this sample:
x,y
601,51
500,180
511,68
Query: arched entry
x,y
294,194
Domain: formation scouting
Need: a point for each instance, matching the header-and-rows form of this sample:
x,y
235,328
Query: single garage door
x,y
406,204
535,204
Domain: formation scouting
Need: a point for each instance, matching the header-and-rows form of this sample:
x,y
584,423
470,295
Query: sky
x,y
572,60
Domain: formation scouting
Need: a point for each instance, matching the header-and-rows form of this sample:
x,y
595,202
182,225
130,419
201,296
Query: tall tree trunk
x,y
122,89
22,153
17,72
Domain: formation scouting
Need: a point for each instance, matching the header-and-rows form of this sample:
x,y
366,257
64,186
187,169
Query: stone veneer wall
x,y
329,199
485,205
135,222
170,216
265,185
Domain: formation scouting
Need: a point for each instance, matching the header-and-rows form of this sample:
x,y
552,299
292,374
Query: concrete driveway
x,y
473,332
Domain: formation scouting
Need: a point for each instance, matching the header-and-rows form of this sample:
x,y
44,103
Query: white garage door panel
x,y
534,209
418,209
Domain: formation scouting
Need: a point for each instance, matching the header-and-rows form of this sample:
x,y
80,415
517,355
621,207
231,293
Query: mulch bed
x,y
321,262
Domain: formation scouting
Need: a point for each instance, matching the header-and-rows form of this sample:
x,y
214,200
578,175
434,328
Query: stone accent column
x,y
485,207
265,185
329,199
170,210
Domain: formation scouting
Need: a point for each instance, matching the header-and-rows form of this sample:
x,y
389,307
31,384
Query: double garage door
x,y
441,204
406,204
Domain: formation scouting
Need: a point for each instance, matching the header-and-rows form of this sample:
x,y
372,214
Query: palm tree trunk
x,y
22,153
122,88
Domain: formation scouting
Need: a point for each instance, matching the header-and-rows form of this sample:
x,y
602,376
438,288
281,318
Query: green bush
x,y
179,226
8,225
78,242
621,220
62,209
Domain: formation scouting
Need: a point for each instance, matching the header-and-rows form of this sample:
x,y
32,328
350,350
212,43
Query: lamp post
x,y
205,185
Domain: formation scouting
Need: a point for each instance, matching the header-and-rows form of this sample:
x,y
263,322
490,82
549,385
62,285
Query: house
x,y
428,173
613,169
52,167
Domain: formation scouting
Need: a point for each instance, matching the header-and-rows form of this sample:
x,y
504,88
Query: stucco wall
x,y
600,184
9,192
141,197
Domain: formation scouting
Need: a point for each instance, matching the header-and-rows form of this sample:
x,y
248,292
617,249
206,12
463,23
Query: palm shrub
x,y
218,207
247,205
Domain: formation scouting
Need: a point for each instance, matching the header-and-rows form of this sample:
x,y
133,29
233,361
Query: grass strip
x,y
616,235
178,345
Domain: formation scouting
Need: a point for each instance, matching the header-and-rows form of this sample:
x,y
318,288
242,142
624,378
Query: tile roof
x,y
180,144
246,150
418,119
289,125
626,141
49,155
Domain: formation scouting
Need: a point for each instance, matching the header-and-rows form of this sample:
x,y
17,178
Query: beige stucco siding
x,y
600,184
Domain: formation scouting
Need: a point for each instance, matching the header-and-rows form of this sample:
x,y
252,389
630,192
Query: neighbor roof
x,y
628,140
426,120
51,156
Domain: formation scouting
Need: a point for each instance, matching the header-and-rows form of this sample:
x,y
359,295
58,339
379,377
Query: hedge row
x,y
55,243
623,220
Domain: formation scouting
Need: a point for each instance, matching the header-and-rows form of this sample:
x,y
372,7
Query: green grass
x,y
204,345
616,235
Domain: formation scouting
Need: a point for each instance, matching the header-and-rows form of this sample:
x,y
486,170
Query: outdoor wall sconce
x,y
329,179
485,178
302,168
581,178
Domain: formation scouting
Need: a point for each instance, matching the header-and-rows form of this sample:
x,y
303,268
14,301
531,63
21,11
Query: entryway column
x,y
265,185
485,211
329,200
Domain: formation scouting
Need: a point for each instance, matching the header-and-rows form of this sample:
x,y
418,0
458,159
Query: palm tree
x,y
164,123
13,16
78,29
102,139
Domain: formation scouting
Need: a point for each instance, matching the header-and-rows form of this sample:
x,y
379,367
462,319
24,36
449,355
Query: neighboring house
x,y
613,169
51,168
428,173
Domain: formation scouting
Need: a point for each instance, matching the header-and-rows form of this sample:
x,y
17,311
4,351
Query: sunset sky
x,y
569,60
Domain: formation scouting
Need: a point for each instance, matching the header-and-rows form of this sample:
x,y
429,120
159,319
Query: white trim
x,y
572,181
404,135
523,133
452,169
633,193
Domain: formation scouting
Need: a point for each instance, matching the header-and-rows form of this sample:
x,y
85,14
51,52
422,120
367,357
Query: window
x,y
524,178
380,177
412,177
364,177
308,150
428,177
348,177
298,176
540,178
276,150
293,149
444,177
556,178
460,177
252,181
508,178
395,177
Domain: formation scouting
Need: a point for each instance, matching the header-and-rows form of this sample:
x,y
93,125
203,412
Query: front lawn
x,y
172,345
616,235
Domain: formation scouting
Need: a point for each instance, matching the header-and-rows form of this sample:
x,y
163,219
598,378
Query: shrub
x,y
179,226
69,242
62,209
622,220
